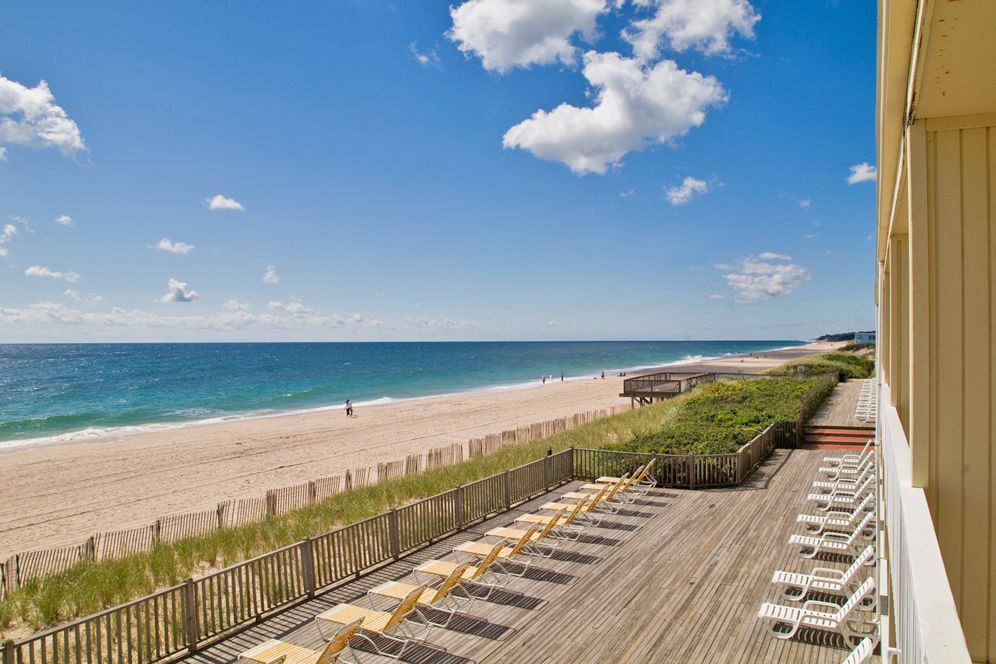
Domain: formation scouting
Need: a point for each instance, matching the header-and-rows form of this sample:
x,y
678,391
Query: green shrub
x,y
720,417
852,366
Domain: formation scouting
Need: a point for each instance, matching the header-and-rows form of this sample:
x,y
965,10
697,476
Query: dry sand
x,y
62,493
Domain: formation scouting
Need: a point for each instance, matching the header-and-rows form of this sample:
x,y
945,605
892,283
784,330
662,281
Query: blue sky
x,y
498,169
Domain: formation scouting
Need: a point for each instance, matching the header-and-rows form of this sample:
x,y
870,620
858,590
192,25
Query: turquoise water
x,y
50,390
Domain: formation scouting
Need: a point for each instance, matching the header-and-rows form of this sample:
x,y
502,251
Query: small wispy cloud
x,y
270,276
7,233
805,203
64,220
627,194
177,291
42,271
219,202
427,58
172,247
863,172
772,256
235,305
75,296
686,191
717,296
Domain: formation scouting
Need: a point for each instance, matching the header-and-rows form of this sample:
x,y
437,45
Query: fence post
x,y
271,503
190,614
546,473
8,652
458,516
572,474
508,490
313,492
691,471
308,566
90,549
392,533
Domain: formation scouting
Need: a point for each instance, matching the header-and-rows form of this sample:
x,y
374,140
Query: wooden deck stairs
x,y
836,437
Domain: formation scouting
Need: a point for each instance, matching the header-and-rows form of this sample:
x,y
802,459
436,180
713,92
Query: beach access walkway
x,y
676,577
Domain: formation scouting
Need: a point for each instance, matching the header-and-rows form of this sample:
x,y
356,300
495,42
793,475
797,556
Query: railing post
x,y
308,566
573,474
392,533
190,614
459,507
507,481
546,473
8,652
691,471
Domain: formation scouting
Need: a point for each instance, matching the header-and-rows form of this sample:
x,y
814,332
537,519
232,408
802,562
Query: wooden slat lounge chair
x,y
564,502
822,579
395,627
511,553
837,519
489,572
281,652
863,651
568,523
837,460
836,542
845,498
620,491
583,515
543,542
644,479
442,598
822,615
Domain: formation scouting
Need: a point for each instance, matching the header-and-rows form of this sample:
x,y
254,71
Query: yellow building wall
x,y
937,295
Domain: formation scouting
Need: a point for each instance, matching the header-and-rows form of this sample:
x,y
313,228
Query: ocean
x,y
54,392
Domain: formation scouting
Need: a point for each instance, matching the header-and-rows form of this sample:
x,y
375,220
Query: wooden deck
x,y
839,408
678,578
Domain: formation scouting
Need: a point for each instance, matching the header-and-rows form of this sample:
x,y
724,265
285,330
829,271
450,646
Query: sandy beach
x,y
62,493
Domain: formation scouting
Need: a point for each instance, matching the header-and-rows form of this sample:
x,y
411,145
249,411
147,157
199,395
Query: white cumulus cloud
x,y
271,276
177,291
518,33
219,202
42,271
633,106
863,172
805,203
7,233
686,191
703,25
64,220
29,117
235,305
759,278
169,246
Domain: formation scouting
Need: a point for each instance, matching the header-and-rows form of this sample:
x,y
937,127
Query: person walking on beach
x,y
349,408
561,376
603,375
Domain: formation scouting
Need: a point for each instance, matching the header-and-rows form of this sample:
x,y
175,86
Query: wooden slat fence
x,y
180,526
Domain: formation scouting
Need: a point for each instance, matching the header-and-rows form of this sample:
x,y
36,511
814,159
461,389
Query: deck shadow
x,y
507,598
575,557
413,653
615,525
636,513
466,623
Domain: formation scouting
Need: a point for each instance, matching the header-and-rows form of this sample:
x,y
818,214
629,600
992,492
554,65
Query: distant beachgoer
x,y
543,378
603,375
561,376
349,408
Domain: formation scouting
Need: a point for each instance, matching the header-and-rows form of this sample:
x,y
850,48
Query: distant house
x,y
864,337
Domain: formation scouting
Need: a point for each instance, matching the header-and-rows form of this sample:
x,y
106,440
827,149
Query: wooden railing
x,y
924,618
187,617
664,383
688,470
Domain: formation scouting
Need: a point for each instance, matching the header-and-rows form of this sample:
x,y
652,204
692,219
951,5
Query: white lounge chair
x,y
826,486
848,469
844,498
822,615
863,651
837,460
837,519
836,542
822,579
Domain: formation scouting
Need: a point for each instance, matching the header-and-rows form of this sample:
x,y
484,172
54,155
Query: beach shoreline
x,y
62,492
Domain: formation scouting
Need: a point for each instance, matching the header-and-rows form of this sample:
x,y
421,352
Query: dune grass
x,y
848,364
91,587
